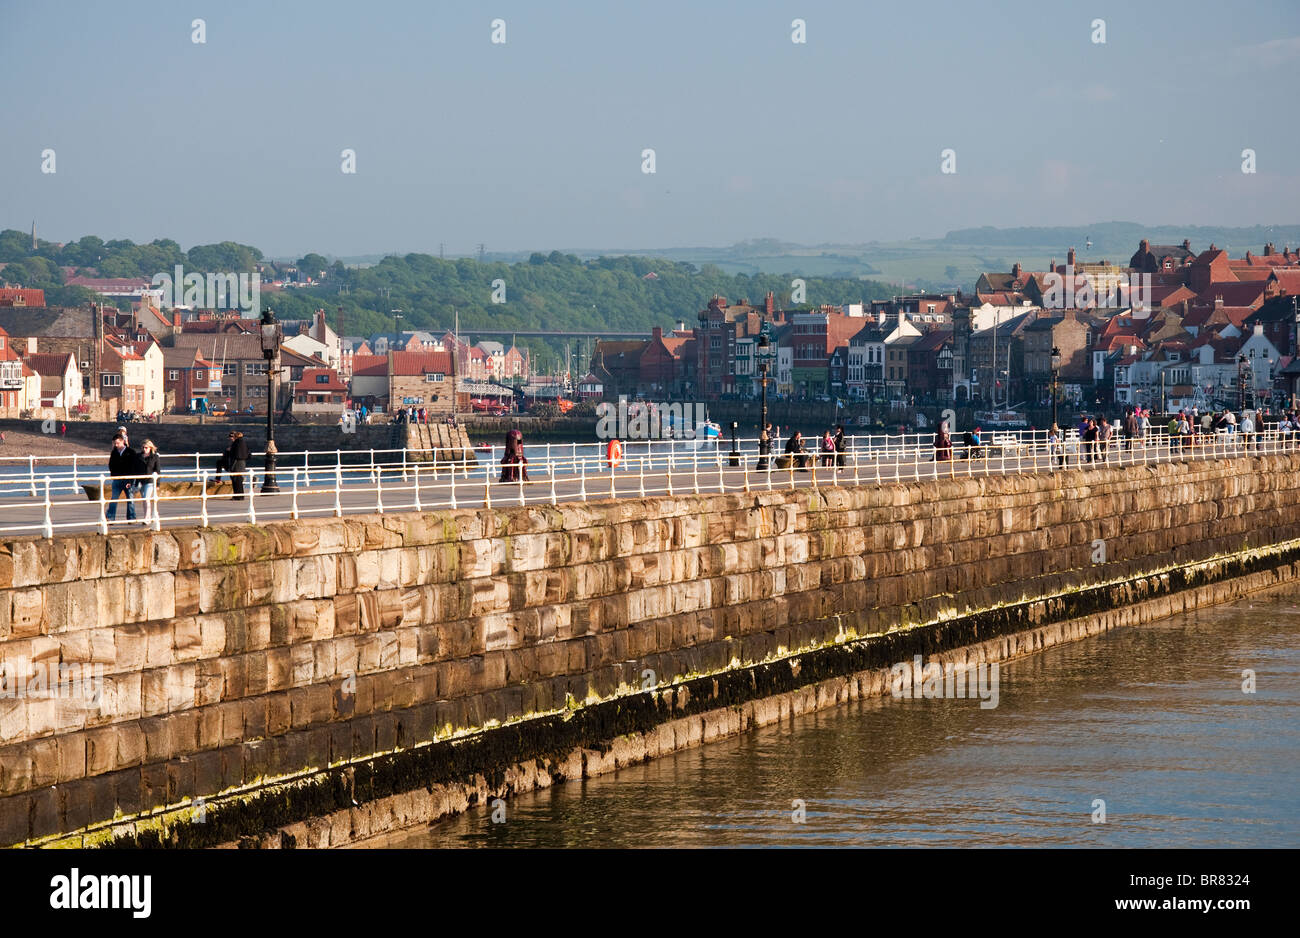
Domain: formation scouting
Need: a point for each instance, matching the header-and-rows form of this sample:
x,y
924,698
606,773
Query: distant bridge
x,y
643,334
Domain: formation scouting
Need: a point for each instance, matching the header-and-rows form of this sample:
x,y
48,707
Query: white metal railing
x,y
45,496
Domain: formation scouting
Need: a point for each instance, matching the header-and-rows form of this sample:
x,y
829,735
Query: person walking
x,y
840,445
943,443
1247,429
236,461
1131,428
514,466
1104,431
1089,438
1056,446
149,468
123,463
794,448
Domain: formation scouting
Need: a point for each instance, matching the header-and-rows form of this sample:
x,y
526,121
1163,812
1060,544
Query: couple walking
x,y
130,470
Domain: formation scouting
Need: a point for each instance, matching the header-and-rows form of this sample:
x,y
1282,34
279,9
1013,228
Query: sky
x,y
537,143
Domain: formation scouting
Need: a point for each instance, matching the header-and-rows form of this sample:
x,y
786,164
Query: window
x,y
433,377
255,391
200,375
254,368
111,381
230,369
173,375
322,379
228,390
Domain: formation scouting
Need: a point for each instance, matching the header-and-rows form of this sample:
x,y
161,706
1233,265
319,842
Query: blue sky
x,y
536,143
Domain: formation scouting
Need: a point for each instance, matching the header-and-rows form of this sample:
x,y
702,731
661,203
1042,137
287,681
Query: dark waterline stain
x,y
1152,720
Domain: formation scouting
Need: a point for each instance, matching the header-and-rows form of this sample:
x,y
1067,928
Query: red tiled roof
x,y
48,363
1236,293
375,366
1288,278
418,363
309,382
18,296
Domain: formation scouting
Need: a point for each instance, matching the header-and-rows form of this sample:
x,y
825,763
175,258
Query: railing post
x,y
49,522
75,486
551,469
416,468
695,470
252,497
582,471
453,485
31,473
641,470
198,470
613,493
103,507
487,490
154,496
379,489
338,490
293,513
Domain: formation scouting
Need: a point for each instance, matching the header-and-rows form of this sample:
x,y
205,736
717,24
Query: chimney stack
x,y
1069,258
1015,271
769,303
1187,245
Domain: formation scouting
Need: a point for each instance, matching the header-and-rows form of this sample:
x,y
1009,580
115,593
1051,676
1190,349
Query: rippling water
x,y
1153,720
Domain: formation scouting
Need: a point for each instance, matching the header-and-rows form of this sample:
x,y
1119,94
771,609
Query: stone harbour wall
x,y
272,682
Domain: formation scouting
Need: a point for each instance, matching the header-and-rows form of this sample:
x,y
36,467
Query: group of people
x,y
130,470
943,446
412,415
831,447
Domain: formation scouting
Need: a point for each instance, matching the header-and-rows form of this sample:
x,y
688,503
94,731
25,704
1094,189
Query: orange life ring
x,y
614,453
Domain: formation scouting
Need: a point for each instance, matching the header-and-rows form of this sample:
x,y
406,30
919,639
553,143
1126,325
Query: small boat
x,y
1000,420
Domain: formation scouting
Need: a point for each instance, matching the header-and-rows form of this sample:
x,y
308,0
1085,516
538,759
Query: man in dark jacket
x,y
839,446
236,462
123,462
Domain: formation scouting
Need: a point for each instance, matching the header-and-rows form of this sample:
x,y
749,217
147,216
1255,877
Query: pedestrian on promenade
x,y
1132,425
123,463
1056,446
1104,431
1247,429
236,461
839,447
1089,437
943,443
828,449
514,467
148,467
63,429
794,448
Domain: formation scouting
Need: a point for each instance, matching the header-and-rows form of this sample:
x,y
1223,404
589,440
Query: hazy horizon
x,y
537,143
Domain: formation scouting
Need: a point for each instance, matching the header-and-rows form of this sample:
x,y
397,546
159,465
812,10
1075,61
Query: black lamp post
x,y
764,440
734,457
272,333
1056,381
